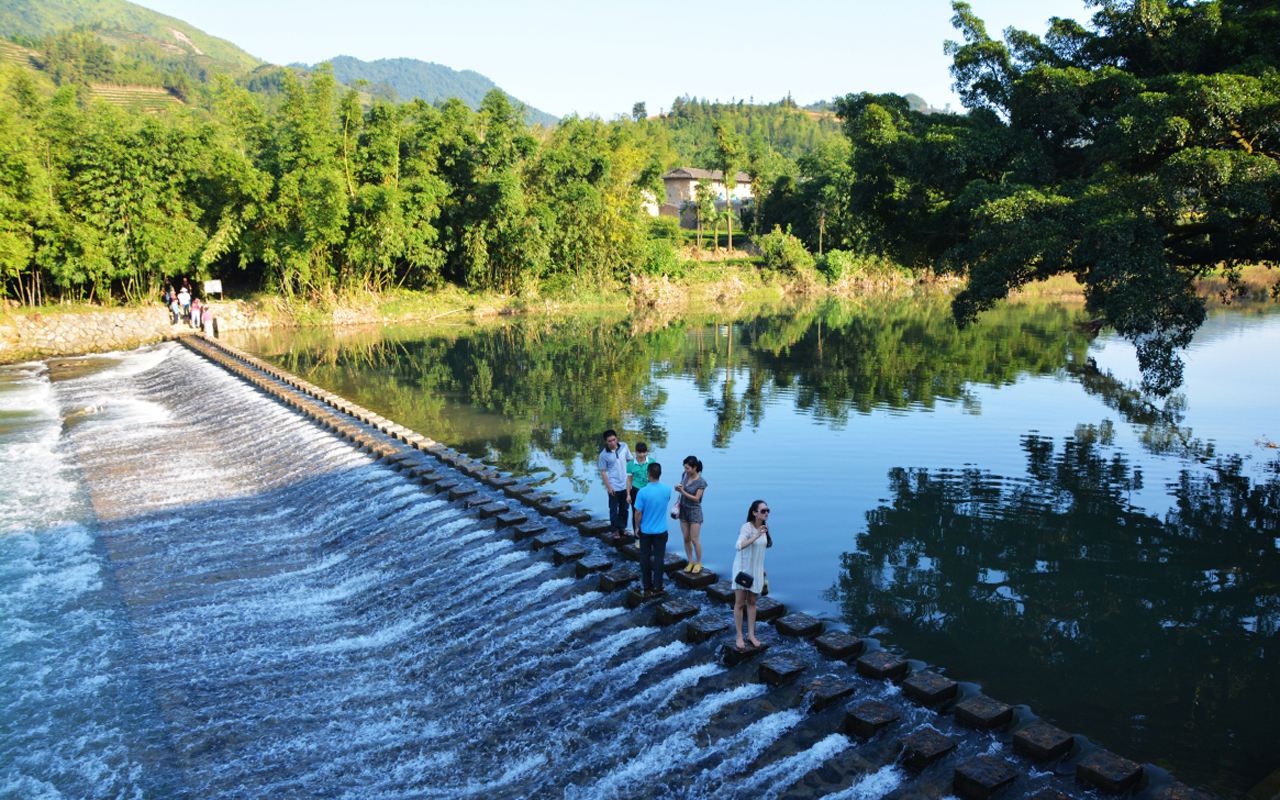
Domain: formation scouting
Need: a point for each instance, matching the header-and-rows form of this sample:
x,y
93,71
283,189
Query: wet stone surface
x,y
446,484
617,578
550,539
478,501
768,609
705,627
721,592
529,530
1108,772
929,688
699,580
593,527
881,665
510,518
636,597
797,624
1180,791
629,548
518,491
829,690
983,713
458,492
778,670
672,611
838,644
983,776
573,516
672,562
925,746
731,656
564,553
1041,741
868,717
590,564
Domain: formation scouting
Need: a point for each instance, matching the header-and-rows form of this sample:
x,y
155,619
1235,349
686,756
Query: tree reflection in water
x,y
1056,579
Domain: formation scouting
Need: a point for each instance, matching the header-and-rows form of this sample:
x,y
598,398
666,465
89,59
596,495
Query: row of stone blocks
x,y
980,777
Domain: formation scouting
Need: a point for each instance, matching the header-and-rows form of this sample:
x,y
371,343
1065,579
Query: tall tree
x,y
729,157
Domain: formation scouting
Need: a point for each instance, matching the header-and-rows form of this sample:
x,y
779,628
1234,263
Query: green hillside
x,y
410,78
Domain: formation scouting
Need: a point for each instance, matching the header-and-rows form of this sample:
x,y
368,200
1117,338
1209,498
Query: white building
x,y
682,182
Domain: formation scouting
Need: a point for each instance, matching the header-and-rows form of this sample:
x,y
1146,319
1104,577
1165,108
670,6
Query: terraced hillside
x,y
141,98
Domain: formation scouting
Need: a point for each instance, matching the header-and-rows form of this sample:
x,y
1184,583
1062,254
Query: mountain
x,y
411,78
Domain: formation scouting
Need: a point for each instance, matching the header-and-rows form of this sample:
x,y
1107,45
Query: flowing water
x,y
1000,501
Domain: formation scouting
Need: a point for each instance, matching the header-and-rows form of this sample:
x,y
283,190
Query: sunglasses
x,y
762,511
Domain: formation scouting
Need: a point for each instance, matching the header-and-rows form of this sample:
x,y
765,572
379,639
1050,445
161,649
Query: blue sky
x,y
598,57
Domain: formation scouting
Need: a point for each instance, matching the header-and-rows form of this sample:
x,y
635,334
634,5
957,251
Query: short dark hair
x,y
655,470
608,433
641,447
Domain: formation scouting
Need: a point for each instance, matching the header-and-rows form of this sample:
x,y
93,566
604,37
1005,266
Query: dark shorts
x,y
691,514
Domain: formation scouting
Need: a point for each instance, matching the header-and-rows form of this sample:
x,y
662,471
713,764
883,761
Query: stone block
x,y
554,507
923,747
1041,741
593,527
838,644
672,611
928,688
548,539
868,717
492,509
593,563
705,627
539,497
797,624
673,563
731,656
529,530
981,777
615,539
628,547
829,690
1049,793
569,551
458,492
779,670
691,580
477,501
1180,791
983,713
1108,772
499,481
768,609
721,592
636,597
510,518
425,474
446,484
518,490
573,516
881,665
619,577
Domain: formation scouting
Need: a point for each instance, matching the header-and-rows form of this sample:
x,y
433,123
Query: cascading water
x,y
206,595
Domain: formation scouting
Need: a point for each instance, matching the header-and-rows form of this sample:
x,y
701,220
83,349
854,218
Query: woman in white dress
x,y
748,568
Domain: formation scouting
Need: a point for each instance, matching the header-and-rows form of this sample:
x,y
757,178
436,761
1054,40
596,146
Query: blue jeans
x,y
653,552
618,508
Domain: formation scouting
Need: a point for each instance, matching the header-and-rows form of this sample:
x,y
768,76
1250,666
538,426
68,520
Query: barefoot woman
x,y
748,568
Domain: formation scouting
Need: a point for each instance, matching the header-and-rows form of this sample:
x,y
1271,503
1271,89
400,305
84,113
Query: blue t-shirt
x,y
652,502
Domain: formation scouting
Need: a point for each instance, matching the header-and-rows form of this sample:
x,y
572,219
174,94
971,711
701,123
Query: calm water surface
x,y
1000,501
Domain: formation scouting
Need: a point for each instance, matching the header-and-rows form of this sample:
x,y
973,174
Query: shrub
x,y
838,264
660,259
665,228
783,252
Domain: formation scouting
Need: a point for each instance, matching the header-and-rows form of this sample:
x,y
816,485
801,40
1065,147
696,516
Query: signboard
x,y
213,286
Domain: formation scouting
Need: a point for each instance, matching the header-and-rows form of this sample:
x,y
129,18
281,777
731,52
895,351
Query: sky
x,y
598,58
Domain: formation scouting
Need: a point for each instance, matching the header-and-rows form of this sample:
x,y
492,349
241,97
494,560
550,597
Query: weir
x,y
328,603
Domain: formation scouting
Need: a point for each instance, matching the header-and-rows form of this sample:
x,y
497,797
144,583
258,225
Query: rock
x,y
573,516
458,492
549,539
1041,741
925,746
797,624
983,713
703,628
731,656
929,688
510,518
868,718
881,665
829,690
768,609
529,530
672,611
721,592
590,564
837,644
593,527
672,562
1108,772
690,580
564,553
617,578
983,776
779,670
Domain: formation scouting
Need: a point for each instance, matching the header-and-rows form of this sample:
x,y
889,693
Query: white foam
x,y
873,785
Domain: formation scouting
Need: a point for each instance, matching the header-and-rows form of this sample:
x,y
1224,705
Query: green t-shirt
x,y
639,473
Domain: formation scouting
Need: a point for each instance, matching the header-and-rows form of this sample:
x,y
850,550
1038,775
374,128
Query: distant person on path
x,y
175,311
651,522
196,308
691,489
638,473
184,300
748,570
613,471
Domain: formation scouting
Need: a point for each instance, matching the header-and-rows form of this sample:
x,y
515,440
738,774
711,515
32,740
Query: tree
x,y
729,155
638,112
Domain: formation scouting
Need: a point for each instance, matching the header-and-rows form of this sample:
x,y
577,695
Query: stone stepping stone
x,y
867,718
672,611
629,548
721,592
705,627
529,530
593,527
983,713
1179,791
983,776
925,746
731,656
1108,772
619,577
458,492
636,597
519,491
549,539
1041,741
446,484
829,690
478,501
838,644
1049,793
500,481
590,564
699,580
553,507
779,670
616,539
564,553
493,509
882,665
573,516
672,562
797,624
510,518
425,474
768,609
928,688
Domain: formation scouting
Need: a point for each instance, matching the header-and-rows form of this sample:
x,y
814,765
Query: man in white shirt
x,y
613,472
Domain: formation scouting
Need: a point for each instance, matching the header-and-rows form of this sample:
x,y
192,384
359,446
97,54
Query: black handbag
x,y
743,579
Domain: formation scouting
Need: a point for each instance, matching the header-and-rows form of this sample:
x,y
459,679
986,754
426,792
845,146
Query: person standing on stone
x,y
184,300
651,521
638,474
748,570
613,472
691,489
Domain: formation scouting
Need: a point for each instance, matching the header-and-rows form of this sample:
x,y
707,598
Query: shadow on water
x,y
1176,615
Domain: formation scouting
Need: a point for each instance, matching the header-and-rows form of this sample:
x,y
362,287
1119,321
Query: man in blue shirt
x,y
651,519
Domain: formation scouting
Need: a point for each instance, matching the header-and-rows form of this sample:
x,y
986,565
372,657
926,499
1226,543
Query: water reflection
x,y
1055,579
